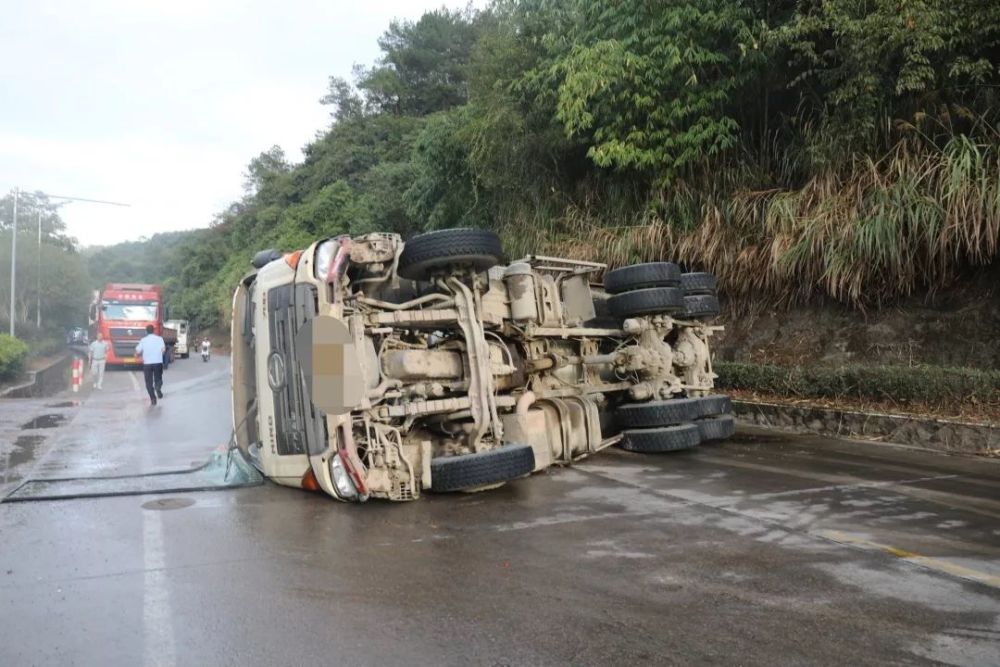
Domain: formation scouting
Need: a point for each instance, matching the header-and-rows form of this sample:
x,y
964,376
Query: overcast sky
x,y
161,104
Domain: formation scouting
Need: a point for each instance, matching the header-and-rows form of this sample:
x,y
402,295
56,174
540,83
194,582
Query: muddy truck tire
x,y
642,276
647,301
711,406
698,283
657,413
426,254
468,471
716,428
697,306
664,439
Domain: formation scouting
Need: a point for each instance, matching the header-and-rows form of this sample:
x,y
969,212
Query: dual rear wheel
x,y
675,424
661,287
680,423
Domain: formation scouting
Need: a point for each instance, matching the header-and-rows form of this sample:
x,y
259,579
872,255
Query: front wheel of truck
x,y
482,469
449,249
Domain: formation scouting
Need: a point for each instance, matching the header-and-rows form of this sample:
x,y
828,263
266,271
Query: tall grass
x,y
870,232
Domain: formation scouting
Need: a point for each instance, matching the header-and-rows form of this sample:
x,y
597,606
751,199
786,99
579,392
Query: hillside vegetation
x,y
797,148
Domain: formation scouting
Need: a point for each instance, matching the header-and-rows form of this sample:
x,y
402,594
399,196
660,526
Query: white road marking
x,y
132,375
158,645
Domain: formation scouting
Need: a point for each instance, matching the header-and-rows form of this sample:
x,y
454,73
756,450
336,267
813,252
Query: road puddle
x,y
24,449
44,421
168,504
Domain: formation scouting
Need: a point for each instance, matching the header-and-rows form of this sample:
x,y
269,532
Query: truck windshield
x,y
131,310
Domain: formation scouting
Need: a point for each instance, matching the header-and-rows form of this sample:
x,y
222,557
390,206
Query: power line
x,y
92,201
13,249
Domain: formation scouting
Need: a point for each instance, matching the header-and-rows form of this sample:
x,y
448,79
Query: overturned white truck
x,y
367,367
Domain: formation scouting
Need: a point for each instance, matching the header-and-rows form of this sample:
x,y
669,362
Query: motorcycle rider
x,y
206,348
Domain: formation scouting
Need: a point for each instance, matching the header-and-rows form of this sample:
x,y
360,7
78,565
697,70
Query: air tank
x,y
520,281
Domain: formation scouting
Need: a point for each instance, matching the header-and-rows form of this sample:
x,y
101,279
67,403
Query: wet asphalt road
x,y
768,550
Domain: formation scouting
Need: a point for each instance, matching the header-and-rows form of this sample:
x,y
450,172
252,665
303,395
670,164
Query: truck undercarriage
x,y
457,372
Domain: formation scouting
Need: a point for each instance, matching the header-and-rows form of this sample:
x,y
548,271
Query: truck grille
x,y
122,332
124,348
298,427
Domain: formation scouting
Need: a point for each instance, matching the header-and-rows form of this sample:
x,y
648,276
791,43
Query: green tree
x,y
265,169
864,66
650,84
444,192
51,276
423,66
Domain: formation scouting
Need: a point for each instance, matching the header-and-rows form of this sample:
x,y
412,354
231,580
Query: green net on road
x,y
224,470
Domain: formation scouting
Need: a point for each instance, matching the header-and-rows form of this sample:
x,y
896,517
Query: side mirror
x,y
330,364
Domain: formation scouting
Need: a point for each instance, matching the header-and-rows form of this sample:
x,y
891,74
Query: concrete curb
x,y
36,380
938,434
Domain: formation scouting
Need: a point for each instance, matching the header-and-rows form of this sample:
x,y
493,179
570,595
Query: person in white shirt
x,y
98,355
151,349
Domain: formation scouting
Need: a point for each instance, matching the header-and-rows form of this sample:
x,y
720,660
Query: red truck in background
x,y
121,312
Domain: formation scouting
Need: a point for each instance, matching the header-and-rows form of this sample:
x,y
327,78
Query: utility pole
x,y
13,261
38,275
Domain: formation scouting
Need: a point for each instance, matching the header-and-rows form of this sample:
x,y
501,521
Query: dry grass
x,y
877,231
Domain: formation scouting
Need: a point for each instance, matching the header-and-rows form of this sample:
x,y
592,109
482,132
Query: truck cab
x,y
121,312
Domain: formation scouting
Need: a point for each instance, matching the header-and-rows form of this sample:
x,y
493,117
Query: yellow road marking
x,y
930,562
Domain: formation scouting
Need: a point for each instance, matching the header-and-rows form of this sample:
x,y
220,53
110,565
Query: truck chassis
x,y
456,372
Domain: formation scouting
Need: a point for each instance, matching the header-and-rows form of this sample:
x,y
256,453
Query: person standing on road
x,y
96,358
151,349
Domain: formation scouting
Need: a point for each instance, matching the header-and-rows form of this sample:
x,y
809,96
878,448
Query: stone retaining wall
x,y
45,381
940,434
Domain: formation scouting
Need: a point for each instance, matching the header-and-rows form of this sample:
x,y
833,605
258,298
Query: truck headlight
x,y
325,253
341,479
